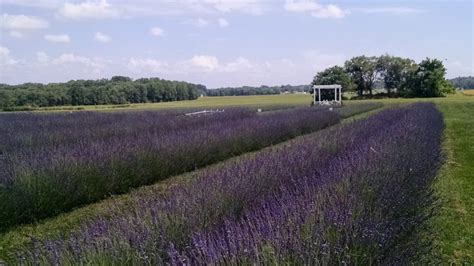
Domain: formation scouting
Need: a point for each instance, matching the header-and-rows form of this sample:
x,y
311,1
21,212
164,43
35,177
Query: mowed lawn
x,y
258,101
455,185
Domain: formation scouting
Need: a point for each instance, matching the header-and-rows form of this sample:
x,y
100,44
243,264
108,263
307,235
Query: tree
x,y
120,79
427,80
463,82
393,71
334,75
363,71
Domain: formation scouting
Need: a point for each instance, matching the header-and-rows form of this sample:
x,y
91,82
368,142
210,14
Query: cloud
x,y
48,4
90,9
16,34
200,22
22,22
61,38
147,65
222,22
100,37
197,64
69,60
315,9
206,62
5,58
42,58
388,10
157,31
246,6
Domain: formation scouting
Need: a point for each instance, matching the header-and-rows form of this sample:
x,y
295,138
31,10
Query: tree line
x,y
463,82
262,90
117,90
400,77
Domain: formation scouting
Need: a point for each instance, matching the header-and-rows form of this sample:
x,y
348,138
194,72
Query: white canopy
x,y
337,93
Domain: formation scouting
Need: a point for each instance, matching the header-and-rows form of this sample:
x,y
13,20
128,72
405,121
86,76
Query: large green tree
x,y
427,80
394,71
333,75
364,72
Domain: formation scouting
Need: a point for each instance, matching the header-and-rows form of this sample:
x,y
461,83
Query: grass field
x,y
455,186
453,227
204,102
469,92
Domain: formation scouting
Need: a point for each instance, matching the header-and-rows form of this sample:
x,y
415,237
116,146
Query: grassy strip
x,y
256,101
67,222
454,225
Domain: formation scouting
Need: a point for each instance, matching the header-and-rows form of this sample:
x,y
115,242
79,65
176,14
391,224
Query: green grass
x,y
204,102
454,226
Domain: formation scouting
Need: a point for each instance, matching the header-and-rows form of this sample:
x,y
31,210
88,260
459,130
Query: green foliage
x,y
463,82
334,75
117,90
394,70
363,71
262,90
398,76
427,80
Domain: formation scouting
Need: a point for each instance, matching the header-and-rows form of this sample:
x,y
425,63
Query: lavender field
x,y
354,193
52,163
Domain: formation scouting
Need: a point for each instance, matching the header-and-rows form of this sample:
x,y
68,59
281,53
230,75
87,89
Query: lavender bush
x,y
354,194
52,163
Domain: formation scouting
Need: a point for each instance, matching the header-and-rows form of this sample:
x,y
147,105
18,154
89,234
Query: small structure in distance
x,y
205,112
320,101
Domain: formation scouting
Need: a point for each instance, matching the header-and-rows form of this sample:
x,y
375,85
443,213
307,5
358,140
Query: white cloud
x,y
69,60
32,3
240,64
5,58
223,22
206,62
90,9
42,58
22,22
200,22
246,6
61,38
16,34
389,10
157,31
329,11
315,9
147,65
101,37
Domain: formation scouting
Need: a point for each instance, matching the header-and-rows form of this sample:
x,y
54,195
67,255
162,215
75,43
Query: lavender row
x,y
54,176
352,194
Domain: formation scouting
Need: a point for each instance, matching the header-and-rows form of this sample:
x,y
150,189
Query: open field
x,y
226,207
204,102
469,92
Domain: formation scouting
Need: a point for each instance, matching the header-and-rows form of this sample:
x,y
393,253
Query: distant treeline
x,y
117,90
262,90
463,82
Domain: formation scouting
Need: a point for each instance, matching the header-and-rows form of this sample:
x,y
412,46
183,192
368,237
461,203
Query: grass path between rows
x,y
454,226
66,223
